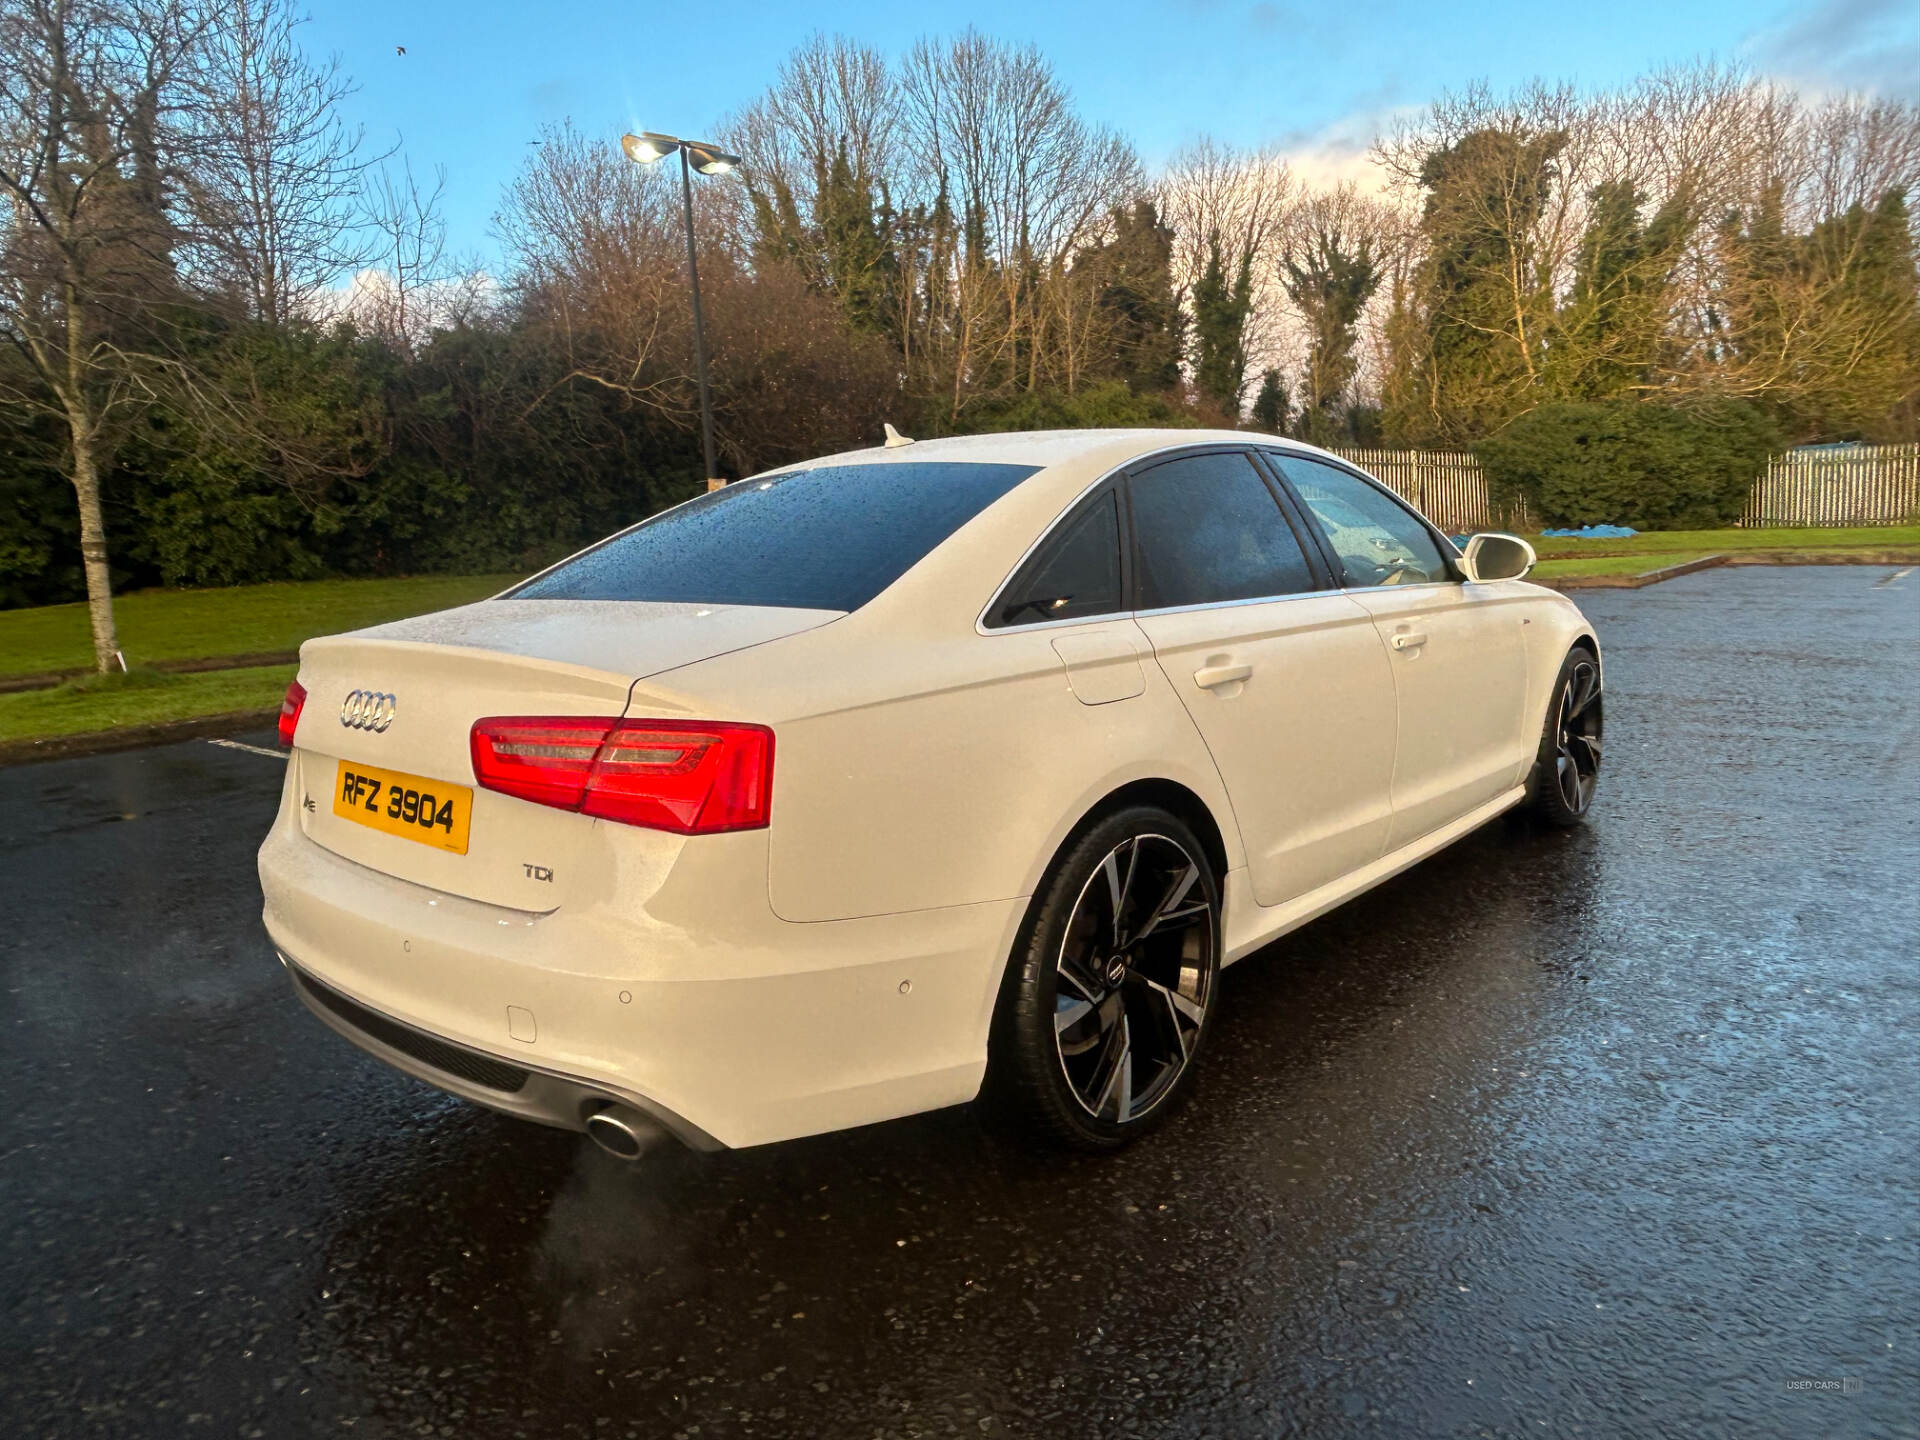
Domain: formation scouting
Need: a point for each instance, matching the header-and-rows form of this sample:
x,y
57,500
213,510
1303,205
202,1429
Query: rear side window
x,y
830,538
1208,529
1075,574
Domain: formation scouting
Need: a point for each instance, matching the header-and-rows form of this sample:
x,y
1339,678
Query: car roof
x,y
1045,449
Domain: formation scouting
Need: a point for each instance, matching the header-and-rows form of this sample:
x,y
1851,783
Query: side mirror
x,y
1497,557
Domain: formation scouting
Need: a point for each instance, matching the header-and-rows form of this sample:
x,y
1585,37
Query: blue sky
x,y
481,77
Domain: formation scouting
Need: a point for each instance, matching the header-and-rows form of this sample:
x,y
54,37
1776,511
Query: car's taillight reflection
x,y
693,777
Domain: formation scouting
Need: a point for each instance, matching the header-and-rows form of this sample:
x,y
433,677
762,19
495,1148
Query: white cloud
x,y
1339,151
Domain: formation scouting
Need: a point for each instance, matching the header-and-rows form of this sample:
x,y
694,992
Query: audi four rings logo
x,y
369,710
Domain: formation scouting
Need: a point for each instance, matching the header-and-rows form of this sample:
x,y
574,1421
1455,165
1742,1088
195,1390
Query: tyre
x,y
1110,988
1567,769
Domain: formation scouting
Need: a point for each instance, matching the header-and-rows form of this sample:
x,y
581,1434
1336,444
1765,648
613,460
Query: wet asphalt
x,y
1609,1132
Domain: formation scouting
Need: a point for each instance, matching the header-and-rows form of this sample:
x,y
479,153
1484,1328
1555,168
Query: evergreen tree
x,y
1749,322
1887,287
1365,425
1405,410
847,251
779,234
1610,331
1271,405
1489,302
1132,270
856,256
1824,326
1867,376
1220,310
1330,281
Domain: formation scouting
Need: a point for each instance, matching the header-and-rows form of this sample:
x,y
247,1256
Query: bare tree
x,y
1245,197
1025,182
275,192
791,379
599,261
1230,211
95,113
595,246
1853,150
833,98
411,283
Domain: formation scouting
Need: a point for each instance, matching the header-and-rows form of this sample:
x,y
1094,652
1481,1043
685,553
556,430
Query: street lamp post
x,y
648,148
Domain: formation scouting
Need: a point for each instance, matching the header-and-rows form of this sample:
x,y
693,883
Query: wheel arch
x,y
1585,639
1170,795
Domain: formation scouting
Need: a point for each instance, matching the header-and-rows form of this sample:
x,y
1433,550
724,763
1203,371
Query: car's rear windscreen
x,y
829,538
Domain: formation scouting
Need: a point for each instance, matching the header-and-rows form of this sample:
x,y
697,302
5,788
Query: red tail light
x,y
694,777
290,711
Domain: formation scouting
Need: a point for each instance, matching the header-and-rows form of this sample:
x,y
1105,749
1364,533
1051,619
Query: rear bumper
x,y
490,1080
690,1001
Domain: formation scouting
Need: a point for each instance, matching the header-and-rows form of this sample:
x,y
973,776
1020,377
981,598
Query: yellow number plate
x,y
433,812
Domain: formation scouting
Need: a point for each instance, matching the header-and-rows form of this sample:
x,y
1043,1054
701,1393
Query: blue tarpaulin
x,y
1593,532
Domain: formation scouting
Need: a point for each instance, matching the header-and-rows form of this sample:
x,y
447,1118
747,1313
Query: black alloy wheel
x,y
1567,770
1110,998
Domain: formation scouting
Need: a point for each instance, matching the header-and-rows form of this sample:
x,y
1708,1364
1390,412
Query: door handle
x,y
1409,640
1208,676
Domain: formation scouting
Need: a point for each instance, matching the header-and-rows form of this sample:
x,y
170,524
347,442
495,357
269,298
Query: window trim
x,y
1449,552
1106,485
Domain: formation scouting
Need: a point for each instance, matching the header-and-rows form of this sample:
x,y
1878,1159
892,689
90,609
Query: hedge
x,y
1642,463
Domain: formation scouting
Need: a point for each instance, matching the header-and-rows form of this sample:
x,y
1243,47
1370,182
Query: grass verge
x,y
1688,543
1587,566
140,697
244,620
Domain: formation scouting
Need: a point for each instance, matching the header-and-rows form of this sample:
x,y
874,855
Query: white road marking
x,y
1887,580
280,755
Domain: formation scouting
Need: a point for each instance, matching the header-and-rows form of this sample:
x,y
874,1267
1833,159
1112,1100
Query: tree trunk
x,y
93,552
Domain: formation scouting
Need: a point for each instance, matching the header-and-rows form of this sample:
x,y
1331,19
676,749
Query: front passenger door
x,y
1285,678
1459,660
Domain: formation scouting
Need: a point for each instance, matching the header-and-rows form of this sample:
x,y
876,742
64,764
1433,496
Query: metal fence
x,y
1859,485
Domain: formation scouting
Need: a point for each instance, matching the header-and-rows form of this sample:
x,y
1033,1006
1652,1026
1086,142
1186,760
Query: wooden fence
x,y
1861,485
1444,485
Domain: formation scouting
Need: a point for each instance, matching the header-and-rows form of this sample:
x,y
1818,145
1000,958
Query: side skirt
x,y
1250,925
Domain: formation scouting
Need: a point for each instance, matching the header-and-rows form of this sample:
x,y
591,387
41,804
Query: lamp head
x,y
709,161
646,147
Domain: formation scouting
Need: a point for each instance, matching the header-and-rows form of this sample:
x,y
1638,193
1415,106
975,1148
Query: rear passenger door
x,y
1286,679
1458,657
1079,574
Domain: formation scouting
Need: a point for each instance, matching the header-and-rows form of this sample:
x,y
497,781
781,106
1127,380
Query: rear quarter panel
x,y
925,771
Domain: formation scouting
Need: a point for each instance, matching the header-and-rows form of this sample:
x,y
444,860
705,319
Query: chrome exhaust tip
x,y
623,1132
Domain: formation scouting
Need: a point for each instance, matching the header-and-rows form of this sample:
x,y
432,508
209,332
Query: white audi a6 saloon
x,y
851,789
